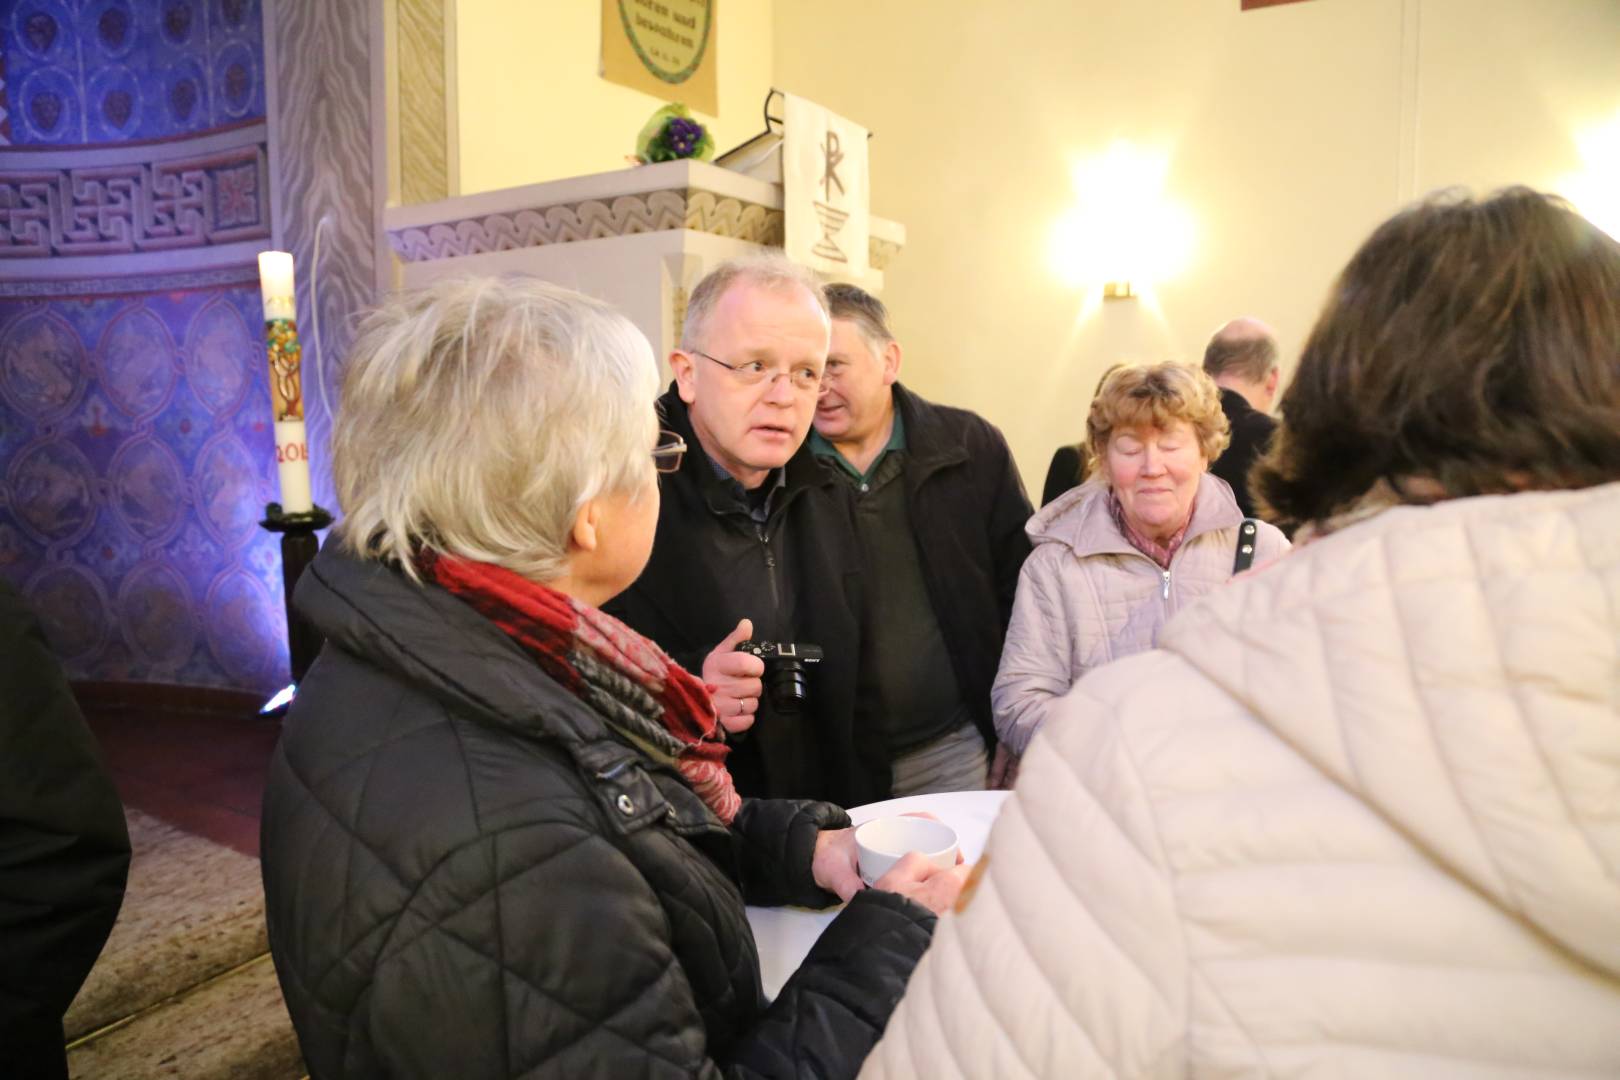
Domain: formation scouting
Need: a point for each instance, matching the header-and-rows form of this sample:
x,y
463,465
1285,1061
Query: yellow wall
x,y
532,107
1292,131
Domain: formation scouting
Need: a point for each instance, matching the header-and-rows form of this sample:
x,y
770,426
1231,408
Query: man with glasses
x,y
757,542
942,510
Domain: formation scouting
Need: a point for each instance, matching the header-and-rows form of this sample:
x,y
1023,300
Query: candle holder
x,y
298,547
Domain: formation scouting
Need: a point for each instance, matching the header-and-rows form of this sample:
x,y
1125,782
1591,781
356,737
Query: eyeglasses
x,y
668,453
806,380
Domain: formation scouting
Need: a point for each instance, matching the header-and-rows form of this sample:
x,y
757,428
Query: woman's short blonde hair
x,y
1156,396
480,414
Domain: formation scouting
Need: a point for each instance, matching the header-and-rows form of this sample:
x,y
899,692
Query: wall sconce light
x,y
1595,190
1122,235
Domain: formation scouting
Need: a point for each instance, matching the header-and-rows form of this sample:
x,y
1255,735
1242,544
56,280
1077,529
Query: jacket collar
x,y
928,443
800,472
1081,518
433,641
1235,404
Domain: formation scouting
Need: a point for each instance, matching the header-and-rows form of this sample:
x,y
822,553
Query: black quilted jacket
x,y
468,875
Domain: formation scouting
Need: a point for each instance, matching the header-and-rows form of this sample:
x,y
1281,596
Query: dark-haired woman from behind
x,y
1359,812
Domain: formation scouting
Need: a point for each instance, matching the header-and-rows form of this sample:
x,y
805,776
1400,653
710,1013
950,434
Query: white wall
x,y
1293,131
531,106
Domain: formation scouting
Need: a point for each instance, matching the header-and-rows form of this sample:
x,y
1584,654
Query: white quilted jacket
x,y
1358,816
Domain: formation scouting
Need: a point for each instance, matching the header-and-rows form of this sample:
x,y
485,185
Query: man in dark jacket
x,y
64,848
941,511
756,541
1242,359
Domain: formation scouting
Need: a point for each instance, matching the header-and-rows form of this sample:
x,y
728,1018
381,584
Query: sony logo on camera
x,y
786,678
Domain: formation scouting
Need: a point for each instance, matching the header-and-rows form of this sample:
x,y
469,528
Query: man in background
x,y
1242,359
756,541
941,512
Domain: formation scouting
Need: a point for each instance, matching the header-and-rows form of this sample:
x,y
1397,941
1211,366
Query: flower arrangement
x,y
671,135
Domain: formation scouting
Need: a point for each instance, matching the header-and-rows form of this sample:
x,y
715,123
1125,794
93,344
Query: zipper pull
x,y
1167,584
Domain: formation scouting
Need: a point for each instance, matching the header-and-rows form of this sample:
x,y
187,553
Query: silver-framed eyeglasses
x,y
804,378
669,451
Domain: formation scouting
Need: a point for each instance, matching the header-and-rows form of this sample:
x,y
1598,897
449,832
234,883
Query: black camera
x,y
786,679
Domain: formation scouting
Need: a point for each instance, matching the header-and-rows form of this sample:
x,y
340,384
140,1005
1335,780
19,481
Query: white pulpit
x,y
640,238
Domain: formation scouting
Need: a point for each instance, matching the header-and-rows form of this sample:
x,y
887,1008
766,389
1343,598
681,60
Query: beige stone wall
x,y
1291,131
531,106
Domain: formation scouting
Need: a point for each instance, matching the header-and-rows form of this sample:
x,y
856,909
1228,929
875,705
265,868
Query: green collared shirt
x,y
824,449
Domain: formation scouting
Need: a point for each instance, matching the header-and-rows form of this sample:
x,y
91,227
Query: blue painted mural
x,y
79,72
136,457
136,453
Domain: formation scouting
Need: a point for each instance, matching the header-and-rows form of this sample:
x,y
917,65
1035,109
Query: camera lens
x,y
788,686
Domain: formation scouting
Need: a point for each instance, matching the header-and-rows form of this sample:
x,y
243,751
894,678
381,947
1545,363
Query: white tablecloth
x,y
784,935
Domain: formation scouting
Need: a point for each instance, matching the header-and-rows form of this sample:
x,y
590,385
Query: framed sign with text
x,y
665,48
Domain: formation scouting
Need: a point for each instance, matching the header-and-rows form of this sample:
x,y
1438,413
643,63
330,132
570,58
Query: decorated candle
x,y
286,387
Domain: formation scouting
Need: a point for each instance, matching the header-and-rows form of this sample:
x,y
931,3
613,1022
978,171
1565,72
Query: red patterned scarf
x,y
626,678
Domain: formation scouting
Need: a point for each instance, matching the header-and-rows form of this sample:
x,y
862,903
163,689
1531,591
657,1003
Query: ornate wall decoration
x,y
156,616
221,352
657,211
711,213
323,54
136,361
42,365
52,488
224,468
147,490
136,454
135,459
73,608
146,204
124,284
237,633
82,72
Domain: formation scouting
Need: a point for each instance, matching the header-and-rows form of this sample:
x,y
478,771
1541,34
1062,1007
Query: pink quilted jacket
x,y
1086,596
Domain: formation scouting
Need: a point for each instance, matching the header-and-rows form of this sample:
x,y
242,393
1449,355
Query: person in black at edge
x,y
64,848
756,540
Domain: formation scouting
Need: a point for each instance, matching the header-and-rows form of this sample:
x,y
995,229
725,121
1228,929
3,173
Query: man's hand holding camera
x,y
739,667
734,679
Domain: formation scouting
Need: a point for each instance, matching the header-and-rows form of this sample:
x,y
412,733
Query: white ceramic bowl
x,y
882,842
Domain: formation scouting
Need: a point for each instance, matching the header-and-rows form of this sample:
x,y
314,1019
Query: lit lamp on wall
x,y
1595,190
295,517
1123,233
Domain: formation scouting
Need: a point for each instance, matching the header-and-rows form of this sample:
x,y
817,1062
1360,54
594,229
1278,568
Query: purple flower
x,y
681,135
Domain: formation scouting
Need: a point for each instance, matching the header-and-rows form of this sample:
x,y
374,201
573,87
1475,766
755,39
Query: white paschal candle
x,y
286,385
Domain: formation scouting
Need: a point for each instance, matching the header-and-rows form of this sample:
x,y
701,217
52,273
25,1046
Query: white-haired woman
x,y
499,836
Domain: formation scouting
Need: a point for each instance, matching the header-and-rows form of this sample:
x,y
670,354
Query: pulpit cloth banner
x,y
826,190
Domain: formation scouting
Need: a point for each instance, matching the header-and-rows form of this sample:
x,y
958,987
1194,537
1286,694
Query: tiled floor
x,y
201,771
